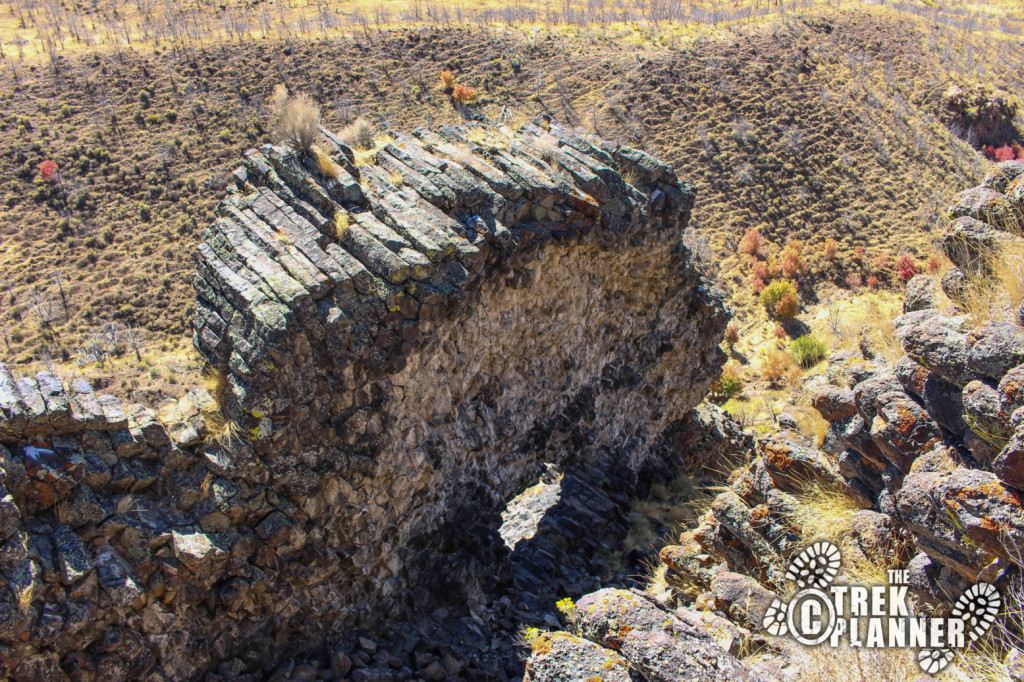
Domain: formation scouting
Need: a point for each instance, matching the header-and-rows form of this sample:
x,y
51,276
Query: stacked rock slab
x,y
403,344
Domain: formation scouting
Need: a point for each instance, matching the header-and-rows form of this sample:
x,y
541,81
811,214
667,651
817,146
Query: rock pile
x,y
404,343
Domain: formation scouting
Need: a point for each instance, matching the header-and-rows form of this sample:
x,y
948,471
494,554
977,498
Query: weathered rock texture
x,y
404,343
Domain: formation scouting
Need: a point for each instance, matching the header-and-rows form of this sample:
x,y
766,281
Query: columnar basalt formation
x,y
403,341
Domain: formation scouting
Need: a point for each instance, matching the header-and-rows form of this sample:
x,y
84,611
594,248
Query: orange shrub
x,y
777,365
463,93
752,242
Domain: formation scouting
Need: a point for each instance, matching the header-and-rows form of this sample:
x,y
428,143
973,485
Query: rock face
x,y
404,344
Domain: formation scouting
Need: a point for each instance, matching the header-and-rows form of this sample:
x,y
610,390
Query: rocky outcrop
x,y
620,628
403,344
945,416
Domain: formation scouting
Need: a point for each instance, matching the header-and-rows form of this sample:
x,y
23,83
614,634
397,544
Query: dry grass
x,y
823,513
824,664
324,163
298,120
396,179
341,224
999,294
368,157
871,316
811,423
358,135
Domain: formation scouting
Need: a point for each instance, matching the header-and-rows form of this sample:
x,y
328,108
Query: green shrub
x,y
774,293
808,351
729,384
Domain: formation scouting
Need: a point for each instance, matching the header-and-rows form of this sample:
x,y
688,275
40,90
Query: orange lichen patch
x,y
992,490
759,514
906,420
989,524
778,457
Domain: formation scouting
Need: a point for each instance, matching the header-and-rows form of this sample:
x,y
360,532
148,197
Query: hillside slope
x,y
805,129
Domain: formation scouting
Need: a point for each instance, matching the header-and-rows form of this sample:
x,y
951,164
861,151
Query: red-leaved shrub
x,y
1004,153
906,267
48,169
854,280
934,263
872,282
788,307
791,259
463,93
732,333
752,242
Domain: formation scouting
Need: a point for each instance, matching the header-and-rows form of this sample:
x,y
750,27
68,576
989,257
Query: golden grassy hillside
x,y
809,121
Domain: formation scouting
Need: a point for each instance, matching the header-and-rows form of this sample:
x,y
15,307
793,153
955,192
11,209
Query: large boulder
x,y
938,343
963,519
981,203
942,400
994,348
661,646
920,294
999,176
562,657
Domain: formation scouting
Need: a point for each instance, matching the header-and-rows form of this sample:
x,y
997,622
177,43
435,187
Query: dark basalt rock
x,y
399,360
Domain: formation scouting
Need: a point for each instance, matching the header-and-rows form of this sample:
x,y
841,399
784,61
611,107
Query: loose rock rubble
x,y
404,345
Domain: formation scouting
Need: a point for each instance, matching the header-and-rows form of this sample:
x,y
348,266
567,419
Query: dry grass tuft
x,y
298,119
324,163
811,423
863,665
341,223
396,179
358,135
125,503
998,294
823,513
871,316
